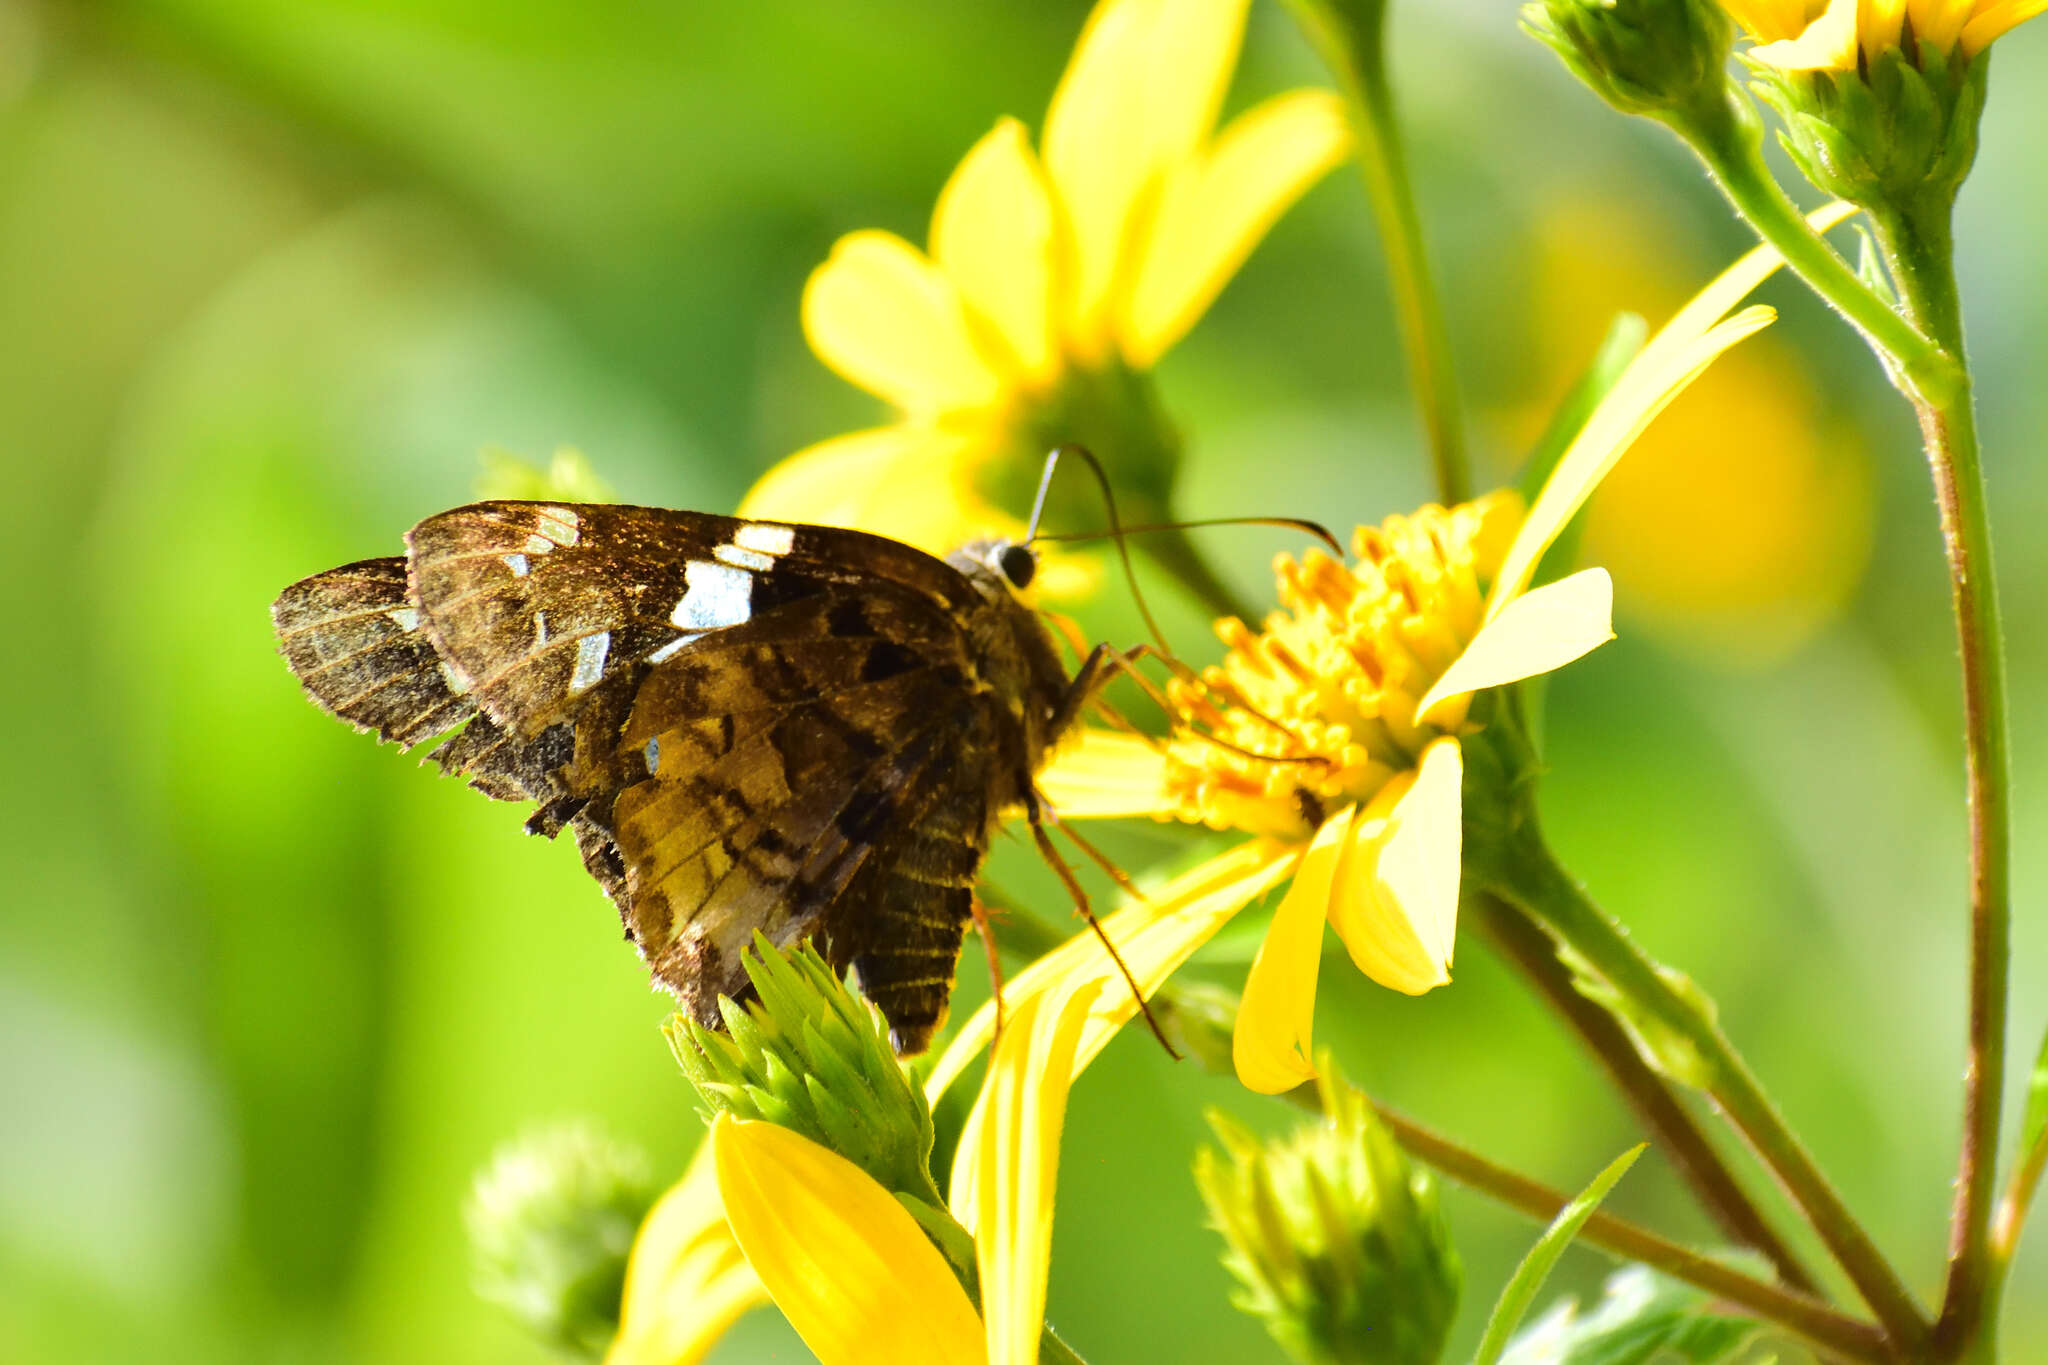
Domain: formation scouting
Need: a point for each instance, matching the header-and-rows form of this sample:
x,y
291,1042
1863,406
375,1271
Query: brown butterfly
x,y
803,730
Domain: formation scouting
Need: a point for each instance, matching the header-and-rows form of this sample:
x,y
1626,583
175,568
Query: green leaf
x,y
1642,1317
1536,1266
2036,1124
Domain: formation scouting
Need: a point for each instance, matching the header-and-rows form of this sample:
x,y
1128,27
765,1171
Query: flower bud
x,y
1335,1240
807,1054
551,1220
1663,58
1895,131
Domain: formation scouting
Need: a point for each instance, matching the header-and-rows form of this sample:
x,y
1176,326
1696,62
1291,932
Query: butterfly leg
x,y
1036,813
984,924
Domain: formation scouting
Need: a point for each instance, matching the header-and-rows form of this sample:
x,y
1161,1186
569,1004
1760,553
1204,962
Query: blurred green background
x,y
270,278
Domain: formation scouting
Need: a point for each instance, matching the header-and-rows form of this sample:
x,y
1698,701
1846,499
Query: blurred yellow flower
x,y
1742,522
1054,279
1833,35
1341,723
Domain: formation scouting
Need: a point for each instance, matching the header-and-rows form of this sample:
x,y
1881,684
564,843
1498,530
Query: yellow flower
x,y
1832,35
687,1281
1055,278
1341,722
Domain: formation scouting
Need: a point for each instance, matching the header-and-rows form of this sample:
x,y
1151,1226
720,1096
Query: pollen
x,y
1317,709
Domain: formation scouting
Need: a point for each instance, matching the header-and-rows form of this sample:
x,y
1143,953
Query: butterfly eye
x,y
1018,565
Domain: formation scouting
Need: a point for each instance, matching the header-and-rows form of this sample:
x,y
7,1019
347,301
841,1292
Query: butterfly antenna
x,y
1314,528
1116,530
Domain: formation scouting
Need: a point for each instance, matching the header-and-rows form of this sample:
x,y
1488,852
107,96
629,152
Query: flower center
x,y
1317,710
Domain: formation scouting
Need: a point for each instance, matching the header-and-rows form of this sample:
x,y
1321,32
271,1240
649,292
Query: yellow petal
x,y
889,320
1683,348
1768,20
1153,936
1213,210
1008,1165
1995,20
912,482
686,1282
1878,23
992,233
1939,23
1106,774
1828,44
1397,910
1542,629
849,1268
1140,93
1274,1041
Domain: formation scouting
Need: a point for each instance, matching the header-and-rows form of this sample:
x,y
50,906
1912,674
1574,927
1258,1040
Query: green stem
x,y
1916,239
1728,137
1796,1312
1523,870
1350,35
1522,942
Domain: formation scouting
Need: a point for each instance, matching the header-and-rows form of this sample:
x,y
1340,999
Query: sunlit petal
x,y
912,482
1386,943
1141,92
1768,20
687,1281
1645,389
1542,629
992,233
1274,1042
1106,774
1153,936
1828,44
889,320
1419,864
848,1267
1939,23
1878,23
1996,20
1213,210
1008,1164
1682,348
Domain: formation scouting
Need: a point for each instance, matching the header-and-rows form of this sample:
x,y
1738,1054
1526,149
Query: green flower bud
x,y
551,1220
1335,1240
1663,58
1896,131
808,1054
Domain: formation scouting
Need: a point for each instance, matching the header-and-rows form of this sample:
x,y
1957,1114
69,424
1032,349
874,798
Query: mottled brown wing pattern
x,y
746,726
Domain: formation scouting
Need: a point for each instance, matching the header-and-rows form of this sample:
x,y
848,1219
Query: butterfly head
x,y
997,567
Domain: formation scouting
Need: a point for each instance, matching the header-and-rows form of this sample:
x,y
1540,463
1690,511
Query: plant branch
x,y
1516,937
1796,1312
1350,36
1522,869
1917,243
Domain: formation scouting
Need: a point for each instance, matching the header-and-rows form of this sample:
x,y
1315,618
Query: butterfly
x,y
803,730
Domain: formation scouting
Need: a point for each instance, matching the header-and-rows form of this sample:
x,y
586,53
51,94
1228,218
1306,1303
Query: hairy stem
x,y
1917,243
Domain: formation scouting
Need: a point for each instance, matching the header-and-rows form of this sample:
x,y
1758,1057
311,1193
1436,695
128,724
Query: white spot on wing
x,y
516,563
672,648
559,524
540,630
719,595
590,652
405,618
768,539
741,557
653,755
538,545
456,684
